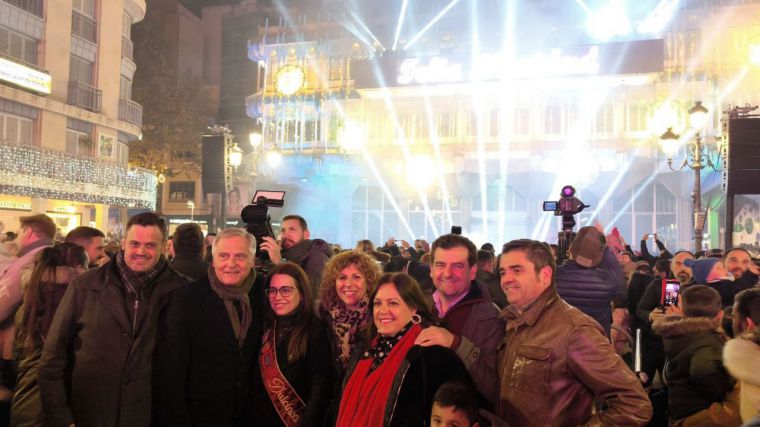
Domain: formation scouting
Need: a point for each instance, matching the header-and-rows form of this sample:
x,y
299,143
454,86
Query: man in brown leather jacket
x,y
555,360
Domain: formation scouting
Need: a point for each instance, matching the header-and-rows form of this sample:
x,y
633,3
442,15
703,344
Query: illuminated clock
x,y
289,79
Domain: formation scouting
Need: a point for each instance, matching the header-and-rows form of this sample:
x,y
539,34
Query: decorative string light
x,y
31,171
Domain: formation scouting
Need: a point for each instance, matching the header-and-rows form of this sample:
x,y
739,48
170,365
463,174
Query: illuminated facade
x,y
381,143
66,114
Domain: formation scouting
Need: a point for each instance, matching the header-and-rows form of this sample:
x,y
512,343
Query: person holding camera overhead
x,y
295,245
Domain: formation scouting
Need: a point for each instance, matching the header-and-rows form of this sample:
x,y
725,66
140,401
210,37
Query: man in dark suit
x,y
207,341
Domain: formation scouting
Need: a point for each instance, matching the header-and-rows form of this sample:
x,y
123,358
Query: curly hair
x,y
363,262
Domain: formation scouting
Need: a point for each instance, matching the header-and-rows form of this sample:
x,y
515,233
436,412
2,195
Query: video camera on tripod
x,y
257,220
567,206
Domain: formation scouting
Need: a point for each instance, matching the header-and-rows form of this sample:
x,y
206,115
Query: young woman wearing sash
x,y
392,382
294,382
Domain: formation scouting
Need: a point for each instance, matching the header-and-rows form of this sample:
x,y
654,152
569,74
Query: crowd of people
x,y
193,330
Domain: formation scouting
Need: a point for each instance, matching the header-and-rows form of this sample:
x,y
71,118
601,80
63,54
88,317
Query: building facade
x,y
467,128
66,113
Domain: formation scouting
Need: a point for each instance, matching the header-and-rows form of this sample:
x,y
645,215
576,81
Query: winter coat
x,y
423,370
191,266
96,366
311,255
741,357
475,321
200,374
26,407
746,281
636,289
694,371
555,362
592,290
311,377
493,283
10,297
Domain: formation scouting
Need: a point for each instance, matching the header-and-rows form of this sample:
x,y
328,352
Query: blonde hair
x,y
363,262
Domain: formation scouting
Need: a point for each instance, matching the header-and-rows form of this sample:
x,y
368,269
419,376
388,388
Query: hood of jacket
x,y
679,332
301,250
741,356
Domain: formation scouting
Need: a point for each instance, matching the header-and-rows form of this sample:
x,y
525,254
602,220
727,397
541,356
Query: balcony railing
x,y
85,96
32,6
84,27
130,112
127,48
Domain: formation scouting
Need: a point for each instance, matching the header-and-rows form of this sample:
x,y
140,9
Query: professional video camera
x,y
257,220
567,206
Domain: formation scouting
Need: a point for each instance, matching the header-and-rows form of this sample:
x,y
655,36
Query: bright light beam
x,y
656,21
366,29
478,101
624,209
435,140
506,115
612,189
440,15
400,23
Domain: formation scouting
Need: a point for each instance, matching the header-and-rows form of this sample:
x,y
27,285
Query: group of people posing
x,y
316,339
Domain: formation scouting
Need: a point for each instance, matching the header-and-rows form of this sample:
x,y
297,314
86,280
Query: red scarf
x,y
366,394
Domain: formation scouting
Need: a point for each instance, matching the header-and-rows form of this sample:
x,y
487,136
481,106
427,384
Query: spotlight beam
x,y
400,23
432,22
624,209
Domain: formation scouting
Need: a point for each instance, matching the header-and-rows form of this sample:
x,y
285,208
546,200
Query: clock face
x,y
289,79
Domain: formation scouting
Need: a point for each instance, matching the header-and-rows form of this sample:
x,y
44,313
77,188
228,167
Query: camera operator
x,y
296,246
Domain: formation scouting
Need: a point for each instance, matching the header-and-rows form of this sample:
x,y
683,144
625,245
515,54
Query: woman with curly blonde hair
x,y
346,283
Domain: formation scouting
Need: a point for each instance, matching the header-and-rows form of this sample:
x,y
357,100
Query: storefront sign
x,y
19,205
25,77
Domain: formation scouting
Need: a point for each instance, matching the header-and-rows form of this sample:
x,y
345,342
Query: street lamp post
x,y
696,159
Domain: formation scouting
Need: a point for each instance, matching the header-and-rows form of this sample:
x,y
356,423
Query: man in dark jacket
x,y
96,365
473,328
490,279
694,371
592,278
296,246
207,341
712,273
188,251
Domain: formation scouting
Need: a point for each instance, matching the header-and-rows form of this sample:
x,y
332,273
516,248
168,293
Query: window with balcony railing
x,y
130,112
84,27
127,48
32,6
84,96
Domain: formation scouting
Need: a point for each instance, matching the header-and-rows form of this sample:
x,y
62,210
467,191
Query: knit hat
x,y
587,247
700,268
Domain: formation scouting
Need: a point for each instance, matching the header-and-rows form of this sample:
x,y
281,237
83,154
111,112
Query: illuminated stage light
x,y
420,170
352,136
664,117
274,158
608,22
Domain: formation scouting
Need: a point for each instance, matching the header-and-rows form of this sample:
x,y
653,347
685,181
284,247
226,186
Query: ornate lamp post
x,y
696,159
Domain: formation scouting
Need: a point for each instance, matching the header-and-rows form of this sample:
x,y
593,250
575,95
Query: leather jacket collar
x,y
530,315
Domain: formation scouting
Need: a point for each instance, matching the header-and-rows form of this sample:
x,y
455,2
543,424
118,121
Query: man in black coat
x,y
96,365
188,251
208,341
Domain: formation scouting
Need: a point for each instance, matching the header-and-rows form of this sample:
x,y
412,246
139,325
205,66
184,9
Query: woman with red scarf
x,y
294,383
392,383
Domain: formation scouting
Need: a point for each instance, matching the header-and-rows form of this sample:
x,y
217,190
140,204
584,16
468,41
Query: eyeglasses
x,y
285,291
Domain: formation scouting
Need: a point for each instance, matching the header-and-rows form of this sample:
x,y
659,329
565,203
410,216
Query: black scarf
x,y
230,294
382,348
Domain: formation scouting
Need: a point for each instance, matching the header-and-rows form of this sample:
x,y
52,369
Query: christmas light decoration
x,y
31,171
